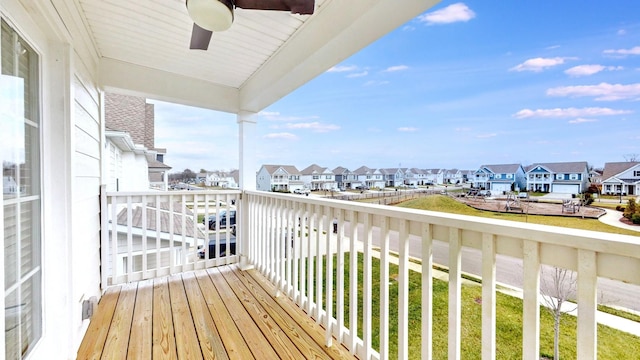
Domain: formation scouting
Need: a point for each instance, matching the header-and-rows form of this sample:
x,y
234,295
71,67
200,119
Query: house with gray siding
x,y
562,177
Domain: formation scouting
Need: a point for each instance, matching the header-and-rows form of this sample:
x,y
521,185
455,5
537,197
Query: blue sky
x,y
464,84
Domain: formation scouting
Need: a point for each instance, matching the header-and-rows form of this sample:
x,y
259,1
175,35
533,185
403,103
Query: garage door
x,y
565,189
500,187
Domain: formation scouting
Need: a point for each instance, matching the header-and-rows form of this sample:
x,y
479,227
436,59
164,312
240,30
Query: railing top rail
x,y
171,192
624,245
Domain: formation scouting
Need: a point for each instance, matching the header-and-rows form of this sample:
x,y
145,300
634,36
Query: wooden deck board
x,y
141,327
221,313
276,336
185,332
164,343
96,335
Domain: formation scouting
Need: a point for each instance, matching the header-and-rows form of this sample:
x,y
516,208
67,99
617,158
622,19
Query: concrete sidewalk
x,y
612,217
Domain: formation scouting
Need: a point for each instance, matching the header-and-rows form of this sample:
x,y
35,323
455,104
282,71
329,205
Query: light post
x,y
621,192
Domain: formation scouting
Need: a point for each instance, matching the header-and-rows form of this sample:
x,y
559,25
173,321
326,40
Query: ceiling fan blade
x,y
200,38
303,7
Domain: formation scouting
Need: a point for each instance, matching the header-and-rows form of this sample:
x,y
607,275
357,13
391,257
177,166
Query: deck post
x,y
247,180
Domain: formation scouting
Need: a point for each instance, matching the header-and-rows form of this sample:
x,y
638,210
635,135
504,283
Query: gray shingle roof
x,y
614,168
562,167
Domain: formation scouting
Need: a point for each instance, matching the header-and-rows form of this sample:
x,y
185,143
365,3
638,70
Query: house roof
x,y
614,168
562,167
315,169
142,47
136,219
502,168
290,169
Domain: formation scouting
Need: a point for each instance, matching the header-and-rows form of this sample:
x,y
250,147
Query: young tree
x,y
631,157
557,287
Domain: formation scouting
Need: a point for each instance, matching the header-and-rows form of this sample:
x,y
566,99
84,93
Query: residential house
x,y
126,166
57,61
434,176
621,178
393,177
222,179
316,177
345,179
279,178
563,178
500,178
136,117
371,178
415,177
453,176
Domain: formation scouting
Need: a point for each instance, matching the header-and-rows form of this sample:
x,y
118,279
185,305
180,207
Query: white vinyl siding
x,y
20,153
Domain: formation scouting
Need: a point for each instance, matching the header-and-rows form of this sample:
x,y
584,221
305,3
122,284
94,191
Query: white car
x,y
301,191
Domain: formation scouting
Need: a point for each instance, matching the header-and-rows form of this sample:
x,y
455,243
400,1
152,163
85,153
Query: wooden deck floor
x,y
219,313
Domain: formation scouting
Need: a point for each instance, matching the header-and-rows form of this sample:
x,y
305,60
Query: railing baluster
x,y
403,290
384,288
328,320
427,291
531,301
455,292
340,286
587,305
488,296
353,280
144,236
318,258
367,296
129,258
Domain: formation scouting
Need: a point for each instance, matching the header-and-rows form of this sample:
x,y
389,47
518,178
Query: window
x,y
559,177
509,176
636,173
573,176
20,153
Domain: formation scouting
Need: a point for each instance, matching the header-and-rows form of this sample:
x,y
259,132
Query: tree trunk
x,y
556,336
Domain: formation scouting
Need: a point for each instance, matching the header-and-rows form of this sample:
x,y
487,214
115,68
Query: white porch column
x,y
248,168
246,181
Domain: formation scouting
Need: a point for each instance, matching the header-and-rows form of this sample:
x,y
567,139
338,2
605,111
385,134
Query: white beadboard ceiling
x,y
143,48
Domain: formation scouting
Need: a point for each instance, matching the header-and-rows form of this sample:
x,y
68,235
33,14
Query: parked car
x,y
223,249
223,219
362,187
301,191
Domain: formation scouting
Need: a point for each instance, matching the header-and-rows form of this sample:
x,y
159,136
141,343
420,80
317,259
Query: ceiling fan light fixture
x,y
213,15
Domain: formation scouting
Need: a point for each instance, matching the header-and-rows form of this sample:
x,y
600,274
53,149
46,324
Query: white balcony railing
x,y
150,234
276,220
289,239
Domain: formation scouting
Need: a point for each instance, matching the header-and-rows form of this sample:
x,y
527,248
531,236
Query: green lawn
x,y
612,344
448,205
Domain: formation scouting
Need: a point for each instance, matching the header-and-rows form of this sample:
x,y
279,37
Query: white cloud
x,y
360,74
342,68
276,116
281,136
622,32
486,136
375,83
587,70
581,121
602,91
584,70
568,112
539,64
315,126
407,129
463,129
451,14
623,52
396,68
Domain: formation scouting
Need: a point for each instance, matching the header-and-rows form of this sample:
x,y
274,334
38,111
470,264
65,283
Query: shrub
x,y
631,209
620,208
635,218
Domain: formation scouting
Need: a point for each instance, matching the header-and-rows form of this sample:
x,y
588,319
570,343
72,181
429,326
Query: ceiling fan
x,y
217,15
